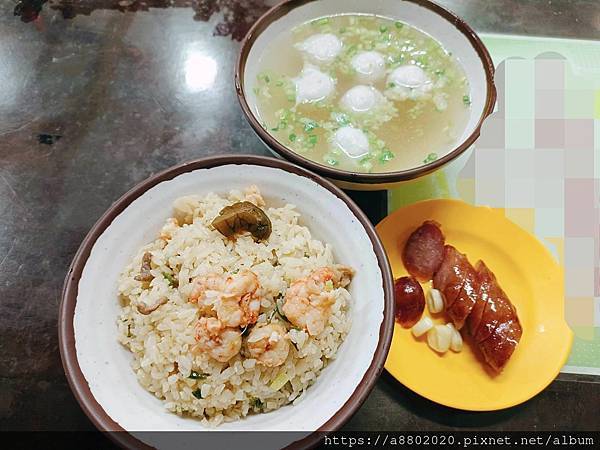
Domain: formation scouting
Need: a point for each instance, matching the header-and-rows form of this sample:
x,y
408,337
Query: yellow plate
x,y
528,274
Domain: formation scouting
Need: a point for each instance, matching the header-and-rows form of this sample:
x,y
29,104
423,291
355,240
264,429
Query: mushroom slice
x,y
240,217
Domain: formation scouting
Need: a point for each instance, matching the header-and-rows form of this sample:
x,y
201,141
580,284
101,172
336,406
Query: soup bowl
x,y
437,22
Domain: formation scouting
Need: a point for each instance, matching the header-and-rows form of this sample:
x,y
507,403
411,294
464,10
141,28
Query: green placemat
x,y
549,102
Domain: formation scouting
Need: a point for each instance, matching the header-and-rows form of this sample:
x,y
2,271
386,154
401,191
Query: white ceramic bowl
x,y
444,26
98,367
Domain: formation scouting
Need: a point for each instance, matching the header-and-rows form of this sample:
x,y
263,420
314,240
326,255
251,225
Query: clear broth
x,y
402,134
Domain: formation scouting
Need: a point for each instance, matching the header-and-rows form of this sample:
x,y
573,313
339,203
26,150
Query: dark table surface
x,y
95,96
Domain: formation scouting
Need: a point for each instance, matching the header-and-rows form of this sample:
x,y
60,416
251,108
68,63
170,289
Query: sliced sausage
x,y
457,280
499,330
424,251
410,301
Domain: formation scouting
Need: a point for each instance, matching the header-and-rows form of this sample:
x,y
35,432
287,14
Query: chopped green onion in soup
x,y
397,95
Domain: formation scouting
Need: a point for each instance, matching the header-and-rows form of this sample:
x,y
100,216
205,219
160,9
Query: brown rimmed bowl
x,y
98,367
443,25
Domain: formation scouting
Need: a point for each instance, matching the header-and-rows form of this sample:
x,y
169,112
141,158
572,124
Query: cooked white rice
x,y
163,343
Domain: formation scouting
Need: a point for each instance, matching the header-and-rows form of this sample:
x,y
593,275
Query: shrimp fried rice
x,y
219,326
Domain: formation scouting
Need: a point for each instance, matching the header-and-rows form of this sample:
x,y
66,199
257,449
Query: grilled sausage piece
x,y
424,251
457,280
498,331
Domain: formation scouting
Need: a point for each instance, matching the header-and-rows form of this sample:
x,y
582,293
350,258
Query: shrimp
x,y
268,344
239,306
235,301
200,285
308,300
220,342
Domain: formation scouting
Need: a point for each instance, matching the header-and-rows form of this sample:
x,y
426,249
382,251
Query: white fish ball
x,y
321,48
361,99
408,81
312,85
369,66
352,141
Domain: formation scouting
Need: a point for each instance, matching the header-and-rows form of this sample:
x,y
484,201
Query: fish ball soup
x,y
362,93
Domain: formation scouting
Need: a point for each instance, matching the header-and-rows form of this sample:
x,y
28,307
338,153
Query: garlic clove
x,y
422,326
439,338
435,301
